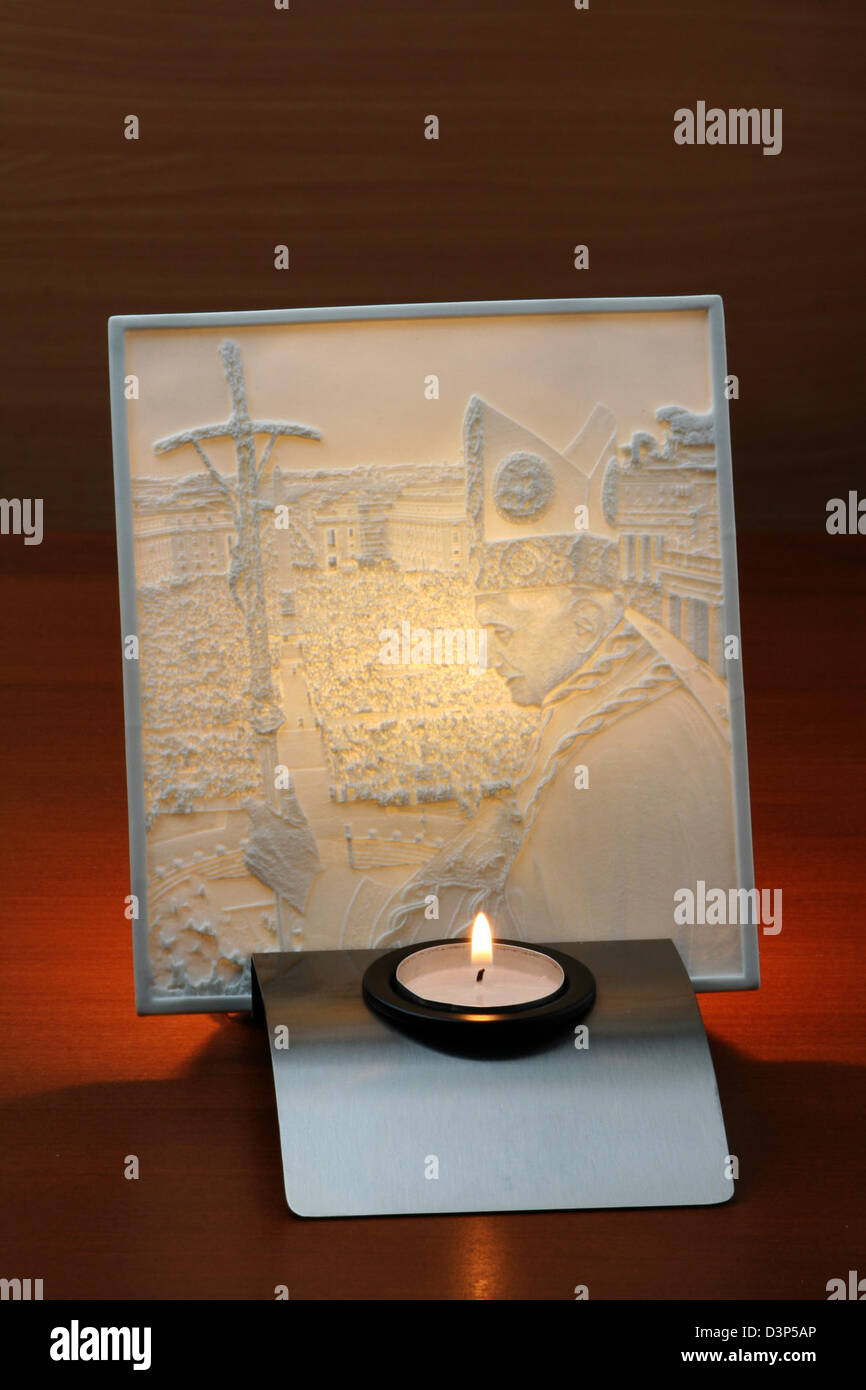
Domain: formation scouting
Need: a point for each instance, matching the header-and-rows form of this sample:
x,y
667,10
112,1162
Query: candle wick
x,y
479,977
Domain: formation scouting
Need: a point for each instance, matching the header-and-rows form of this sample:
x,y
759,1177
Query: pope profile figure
x,y
626,796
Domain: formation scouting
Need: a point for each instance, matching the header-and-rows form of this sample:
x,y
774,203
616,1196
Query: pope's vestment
x,y
626,798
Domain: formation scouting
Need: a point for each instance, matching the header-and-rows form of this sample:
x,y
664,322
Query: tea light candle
x,y
467,975
480,991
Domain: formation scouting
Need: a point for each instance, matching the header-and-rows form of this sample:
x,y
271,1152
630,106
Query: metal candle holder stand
x,y
620,1111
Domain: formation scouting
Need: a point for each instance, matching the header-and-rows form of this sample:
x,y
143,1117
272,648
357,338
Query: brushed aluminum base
x,y
373,1122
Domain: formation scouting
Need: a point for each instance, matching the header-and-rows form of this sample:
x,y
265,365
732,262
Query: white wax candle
x,y
448,975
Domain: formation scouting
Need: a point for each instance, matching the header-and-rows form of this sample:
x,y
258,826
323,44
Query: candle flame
x,y
482,940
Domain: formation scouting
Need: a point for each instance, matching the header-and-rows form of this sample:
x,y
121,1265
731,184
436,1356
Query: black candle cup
x,y
457,1027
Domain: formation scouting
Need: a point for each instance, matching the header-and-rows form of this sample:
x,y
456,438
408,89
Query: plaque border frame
x,y
147,1000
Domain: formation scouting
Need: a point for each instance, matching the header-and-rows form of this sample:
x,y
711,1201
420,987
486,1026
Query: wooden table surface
x,y
86,1082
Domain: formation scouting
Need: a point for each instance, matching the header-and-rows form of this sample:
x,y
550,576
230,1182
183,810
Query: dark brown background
x,y
306,127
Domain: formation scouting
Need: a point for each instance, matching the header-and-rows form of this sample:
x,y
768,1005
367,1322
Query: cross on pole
x,y
246,575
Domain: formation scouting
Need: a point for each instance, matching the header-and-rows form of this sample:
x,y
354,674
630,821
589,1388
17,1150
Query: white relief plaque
x,y
401,656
